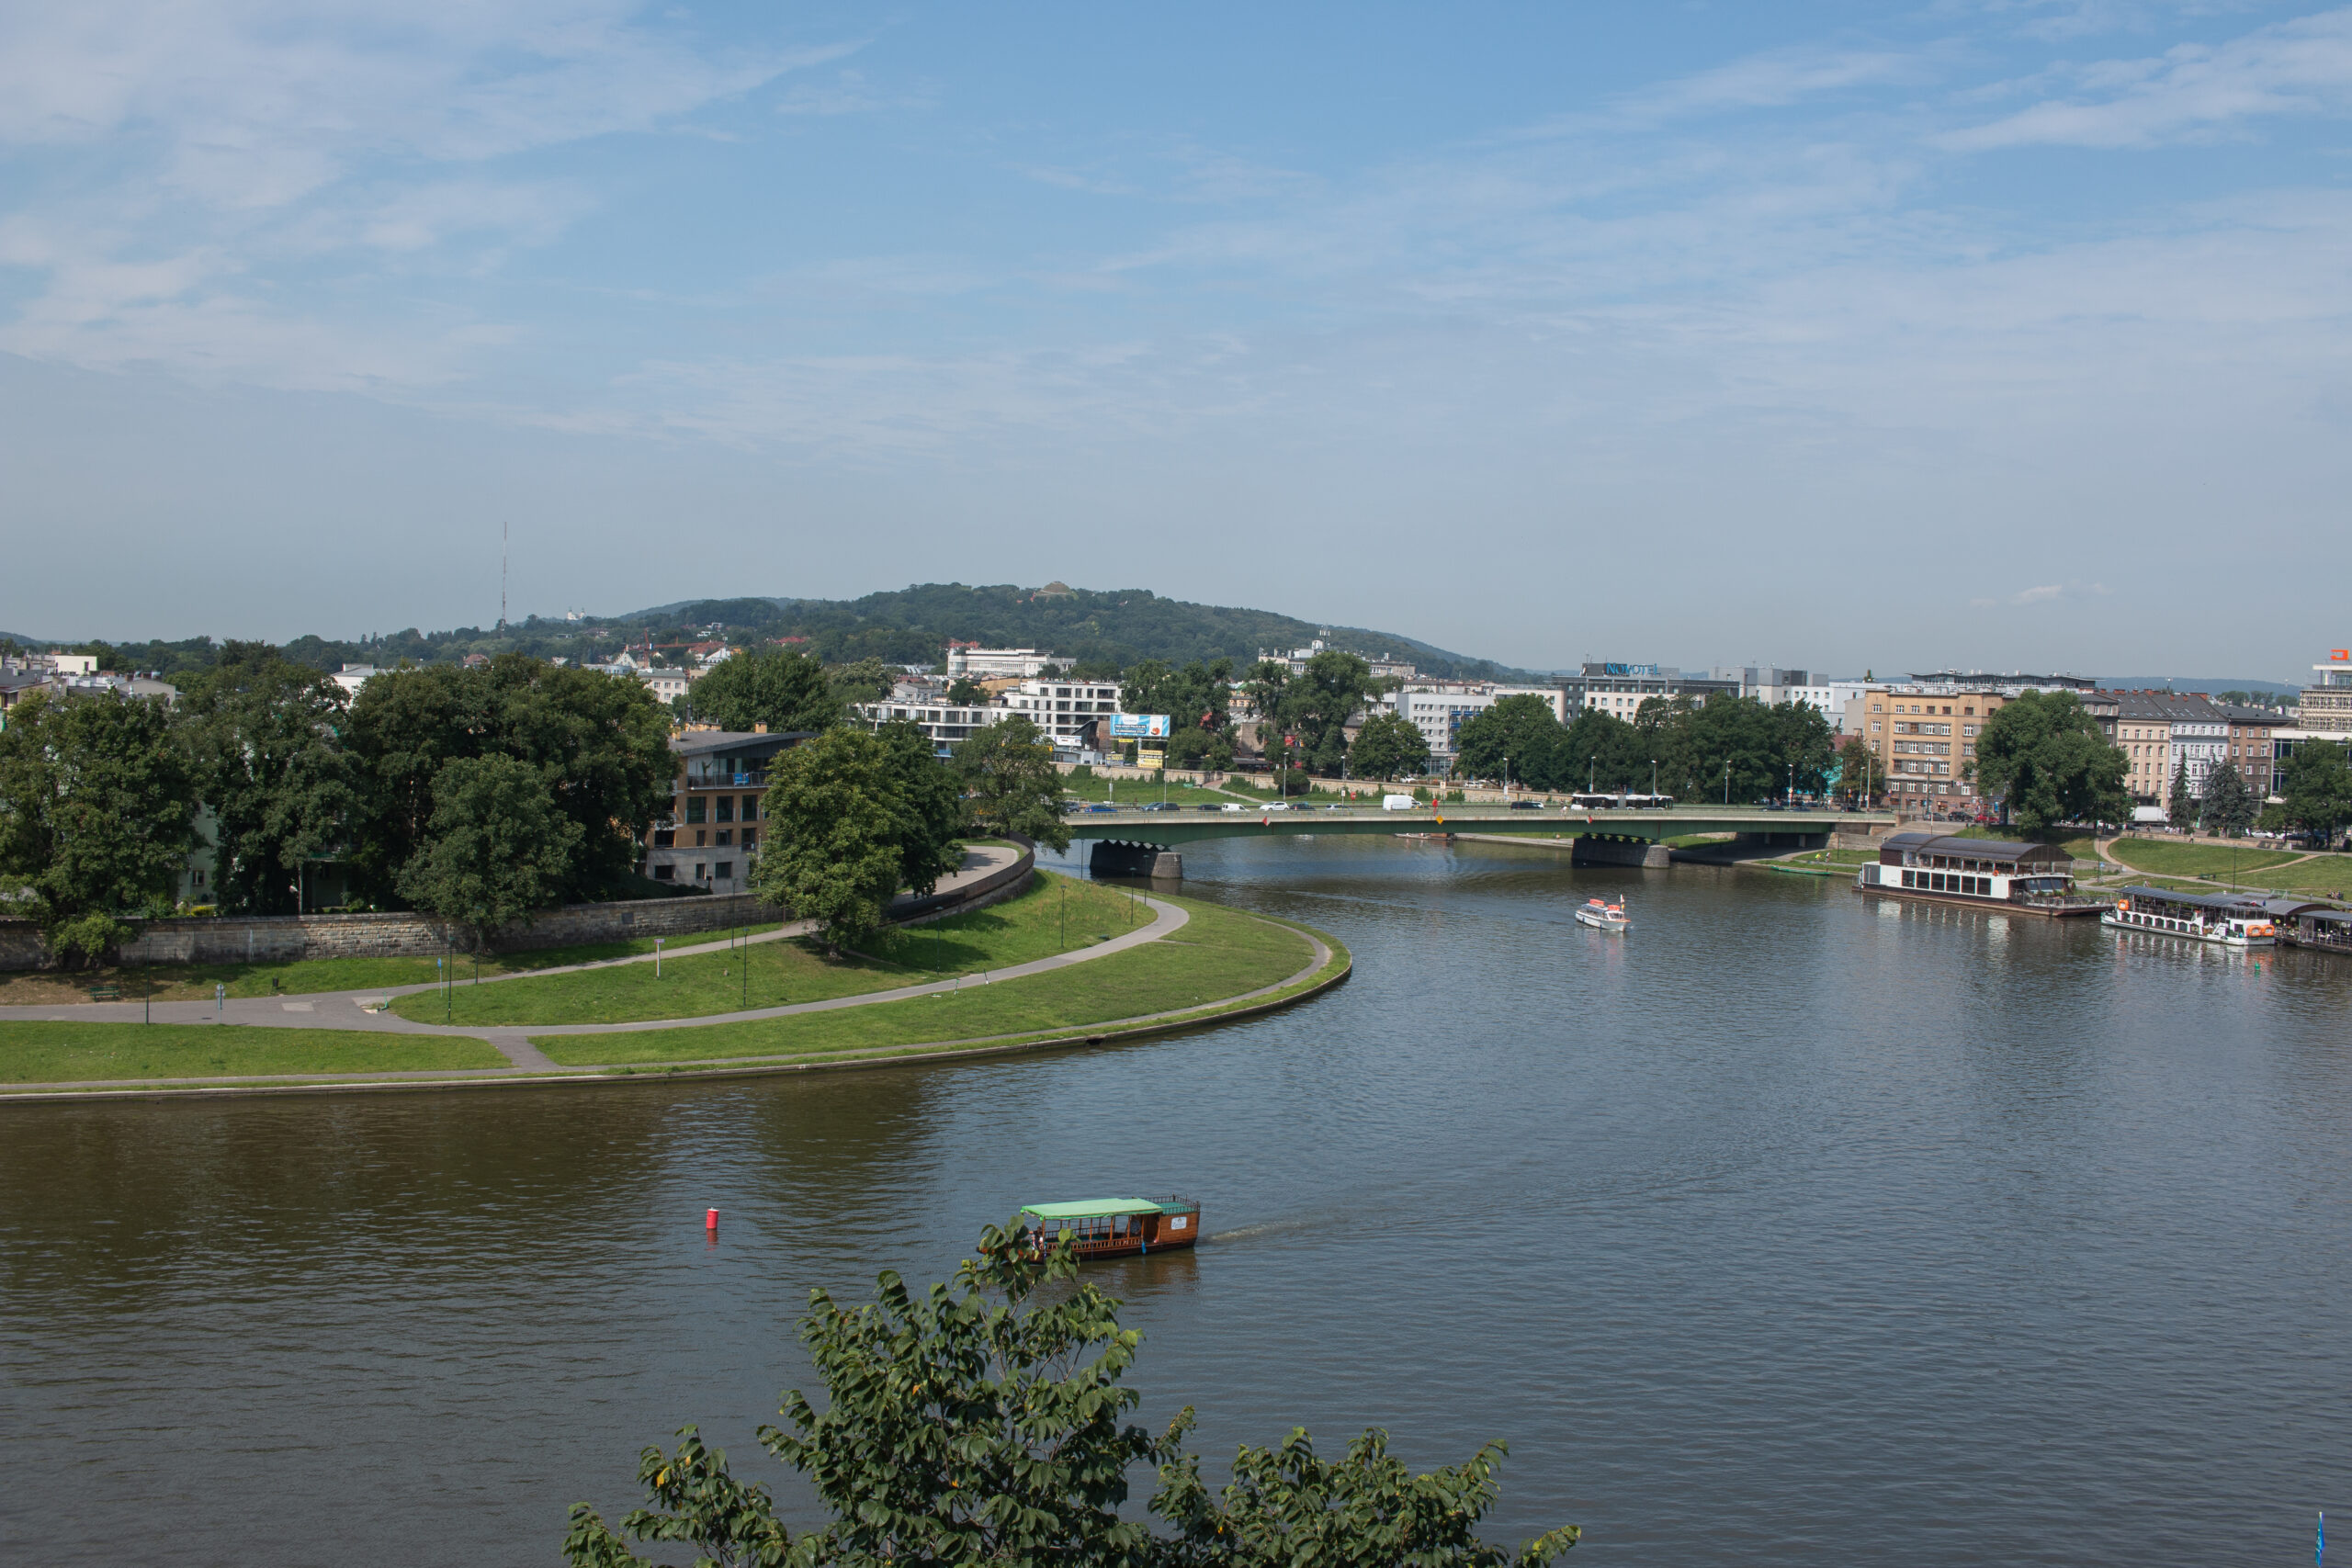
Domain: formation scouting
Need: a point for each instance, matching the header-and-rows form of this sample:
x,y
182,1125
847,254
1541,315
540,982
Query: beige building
x,y
1924,743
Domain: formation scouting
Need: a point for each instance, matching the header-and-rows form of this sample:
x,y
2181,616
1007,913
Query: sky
x,y
1998,333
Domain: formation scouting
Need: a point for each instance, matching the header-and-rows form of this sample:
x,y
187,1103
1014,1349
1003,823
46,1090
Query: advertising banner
x,y
1138,727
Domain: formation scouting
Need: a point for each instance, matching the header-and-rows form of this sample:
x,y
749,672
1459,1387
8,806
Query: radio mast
x,y
502,576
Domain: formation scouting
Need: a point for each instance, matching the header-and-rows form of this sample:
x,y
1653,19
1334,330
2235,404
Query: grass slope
x,y
1217,954
1032,925
78,1053
2159,857
185,982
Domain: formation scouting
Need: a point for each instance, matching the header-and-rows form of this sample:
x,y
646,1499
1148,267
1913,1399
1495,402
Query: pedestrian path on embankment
x,y
1062,997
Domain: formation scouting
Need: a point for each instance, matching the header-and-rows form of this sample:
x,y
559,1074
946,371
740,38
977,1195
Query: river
x,y
1792,1228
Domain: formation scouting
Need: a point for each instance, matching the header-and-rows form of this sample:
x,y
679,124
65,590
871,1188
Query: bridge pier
x,y
1591,849
1114,859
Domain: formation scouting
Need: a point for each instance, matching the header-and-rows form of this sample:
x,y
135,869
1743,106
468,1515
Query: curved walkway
x,y
527,1063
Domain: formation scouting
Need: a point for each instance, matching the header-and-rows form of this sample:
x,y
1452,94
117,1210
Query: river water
x,y
1792,1228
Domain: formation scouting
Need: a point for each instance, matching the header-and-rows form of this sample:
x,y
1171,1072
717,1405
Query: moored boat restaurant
x,y
1946,868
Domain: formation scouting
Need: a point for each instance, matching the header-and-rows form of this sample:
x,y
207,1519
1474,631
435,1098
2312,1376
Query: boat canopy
x,y
1096,1207
1895,847
2220,903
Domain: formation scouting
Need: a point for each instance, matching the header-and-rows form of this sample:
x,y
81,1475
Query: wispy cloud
x,y
2191,92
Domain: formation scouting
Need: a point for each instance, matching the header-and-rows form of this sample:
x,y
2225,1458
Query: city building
x,y
2158,732
2250,744
712,828
970,659
928,710
351,677
2327,699
1621,689
1437,709
1923,743
1065,710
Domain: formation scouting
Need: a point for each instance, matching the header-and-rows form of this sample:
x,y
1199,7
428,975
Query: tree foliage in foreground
x,y
972,1424
2046,759
1390,746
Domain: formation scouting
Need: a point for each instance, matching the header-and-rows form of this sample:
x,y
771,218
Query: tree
x,y
1388,746
1287,1507
2227,806
1857,768
984,1422
97,817
1010,783
1518,729
863,680
2180,807
853,817
1318,705
2316,788
780,687
1600,751
2048,762
263,735
600,741
498,849
966,693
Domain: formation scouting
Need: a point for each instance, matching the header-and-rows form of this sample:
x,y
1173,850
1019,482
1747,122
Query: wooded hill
x,y
1103,631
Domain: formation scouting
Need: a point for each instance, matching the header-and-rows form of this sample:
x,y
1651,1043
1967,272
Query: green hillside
x,y
1100,630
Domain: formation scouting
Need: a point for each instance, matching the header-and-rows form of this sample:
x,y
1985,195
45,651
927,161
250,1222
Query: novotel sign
x,y
1629,669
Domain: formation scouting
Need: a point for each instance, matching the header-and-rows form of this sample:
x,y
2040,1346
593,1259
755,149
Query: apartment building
x,y
2250,741
971,660
939,719
2160,731
1620,689
1924,740
713,826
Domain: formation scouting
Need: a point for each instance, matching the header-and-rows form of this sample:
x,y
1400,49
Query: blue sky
x,y
1837,336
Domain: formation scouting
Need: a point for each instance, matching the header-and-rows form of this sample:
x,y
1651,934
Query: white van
x,y
1397,803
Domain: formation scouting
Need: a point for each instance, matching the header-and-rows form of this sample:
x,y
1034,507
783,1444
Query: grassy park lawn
x,y
1217,954
185,982
2160,857
1053,915
79,1052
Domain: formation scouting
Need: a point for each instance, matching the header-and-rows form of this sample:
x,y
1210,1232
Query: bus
x,y
1581,802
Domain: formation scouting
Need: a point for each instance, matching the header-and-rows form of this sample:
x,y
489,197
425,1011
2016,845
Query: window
x,y
197,879
700,838
666,874
664,837
726,837
726,869
693,808
702,872
723,809
751,837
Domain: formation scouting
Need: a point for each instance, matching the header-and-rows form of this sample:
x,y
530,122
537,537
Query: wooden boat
x,y
1115,1227
2229,919
1601,915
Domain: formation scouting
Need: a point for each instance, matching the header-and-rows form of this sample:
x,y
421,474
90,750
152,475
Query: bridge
x,y
1133,842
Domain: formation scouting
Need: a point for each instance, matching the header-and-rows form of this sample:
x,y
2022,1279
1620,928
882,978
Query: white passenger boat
x,y
2232,922
1601,915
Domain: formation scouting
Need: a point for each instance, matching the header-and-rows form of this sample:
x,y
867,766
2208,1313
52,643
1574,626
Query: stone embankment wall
x,y
251,939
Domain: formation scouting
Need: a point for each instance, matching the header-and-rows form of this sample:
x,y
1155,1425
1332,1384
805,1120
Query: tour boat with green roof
x,y
1115,1227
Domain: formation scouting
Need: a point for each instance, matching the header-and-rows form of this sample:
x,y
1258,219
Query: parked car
x,y
1396,803
1233,805
1526,805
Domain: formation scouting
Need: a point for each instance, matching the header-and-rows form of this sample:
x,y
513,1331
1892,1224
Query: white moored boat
x,y
2201,917
1601,915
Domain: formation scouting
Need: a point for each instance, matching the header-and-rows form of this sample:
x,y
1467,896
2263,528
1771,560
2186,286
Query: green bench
x,y
106,993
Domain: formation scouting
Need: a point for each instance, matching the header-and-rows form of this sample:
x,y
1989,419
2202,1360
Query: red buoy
x,y
710,1219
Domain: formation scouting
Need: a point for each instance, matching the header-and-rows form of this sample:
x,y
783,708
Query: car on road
x,y
1208,806
1233,805
1526,805
1159,806
1277,806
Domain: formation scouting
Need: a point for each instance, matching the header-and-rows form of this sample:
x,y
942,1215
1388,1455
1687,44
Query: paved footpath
x,y
364,1008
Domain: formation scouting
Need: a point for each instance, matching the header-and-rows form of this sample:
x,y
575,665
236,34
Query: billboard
x,y
1138,727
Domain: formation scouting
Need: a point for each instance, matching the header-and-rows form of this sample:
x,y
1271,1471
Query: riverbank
x,y
1188,964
